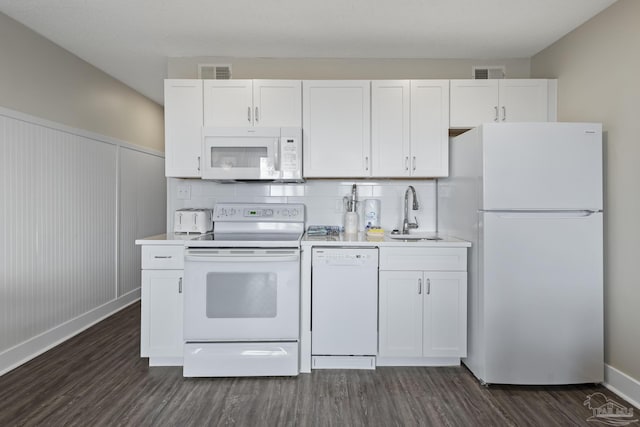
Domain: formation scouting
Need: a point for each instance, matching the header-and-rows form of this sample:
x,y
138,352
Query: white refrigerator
x,y
529,198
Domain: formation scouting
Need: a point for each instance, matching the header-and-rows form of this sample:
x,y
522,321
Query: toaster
x,y
193,221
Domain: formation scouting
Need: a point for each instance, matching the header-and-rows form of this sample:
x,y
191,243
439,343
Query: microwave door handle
x,y
276,155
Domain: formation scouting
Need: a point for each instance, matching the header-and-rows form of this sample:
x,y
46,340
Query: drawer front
x,y
438,259
161,257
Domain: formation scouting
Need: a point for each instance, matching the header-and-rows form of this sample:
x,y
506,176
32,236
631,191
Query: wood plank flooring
x,y
98,379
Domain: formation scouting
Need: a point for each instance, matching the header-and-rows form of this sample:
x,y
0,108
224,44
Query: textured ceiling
x,y
132,39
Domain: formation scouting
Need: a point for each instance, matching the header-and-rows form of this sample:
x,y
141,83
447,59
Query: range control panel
x,y
263,212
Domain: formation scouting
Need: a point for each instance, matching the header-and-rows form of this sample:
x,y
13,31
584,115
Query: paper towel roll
x,y
372,213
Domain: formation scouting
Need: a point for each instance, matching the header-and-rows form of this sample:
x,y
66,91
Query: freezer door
x,y
542,166
543,298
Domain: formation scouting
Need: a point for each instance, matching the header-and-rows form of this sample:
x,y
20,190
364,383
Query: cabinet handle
x,y
428,286
163,256
406,163
496,118
414,163
256,115
366,163
180,285
249,114
419,286
504,113
198,163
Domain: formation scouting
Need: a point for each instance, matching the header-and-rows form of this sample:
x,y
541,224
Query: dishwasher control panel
x,y
345,256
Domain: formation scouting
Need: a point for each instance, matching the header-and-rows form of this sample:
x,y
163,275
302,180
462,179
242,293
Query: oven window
x,y
241,295
237,157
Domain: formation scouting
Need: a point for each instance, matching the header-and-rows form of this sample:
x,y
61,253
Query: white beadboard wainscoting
x,y
72,205
322,198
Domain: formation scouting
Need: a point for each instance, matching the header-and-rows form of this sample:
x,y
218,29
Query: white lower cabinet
x,y
162,314
422,312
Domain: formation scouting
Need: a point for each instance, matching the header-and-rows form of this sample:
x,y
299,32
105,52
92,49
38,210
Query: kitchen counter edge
x,y
361,239
166,239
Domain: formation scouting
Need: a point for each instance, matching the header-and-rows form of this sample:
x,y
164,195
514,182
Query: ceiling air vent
x,y
486,72
214,71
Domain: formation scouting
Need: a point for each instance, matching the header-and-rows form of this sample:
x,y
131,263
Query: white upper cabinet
x,y
429,128
183,127
524,100
474,102
228,102
390,121
410,123
336,123
252,103
277,103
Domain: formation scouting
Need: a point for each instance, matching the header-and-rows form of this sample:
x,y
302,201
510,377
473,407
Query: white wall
x,y
322,198
344,68
597,70
67,255
67,153
38,77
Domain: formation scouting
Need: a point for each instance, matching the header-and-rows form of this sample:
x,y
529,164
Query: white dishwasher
x,y
344,308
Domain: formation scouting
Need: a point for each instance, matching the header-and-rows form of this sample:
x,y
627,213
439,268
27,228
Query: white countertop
x,y
167,239
361,239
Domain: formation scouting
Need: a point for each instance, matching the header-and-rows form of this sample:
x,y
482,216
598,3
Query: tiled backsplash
x,y
322,198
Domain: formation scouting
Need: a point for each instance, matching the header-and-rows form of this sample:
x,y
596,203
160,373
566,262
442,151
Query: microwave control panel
x,y
291,160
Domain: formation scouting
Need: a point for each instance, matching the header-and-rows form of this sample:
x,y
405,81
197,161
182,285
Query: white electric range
x,y
242,292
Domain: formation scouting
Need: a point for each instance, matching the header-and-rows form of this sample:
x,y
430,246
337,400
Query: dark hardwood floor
x,y
98,378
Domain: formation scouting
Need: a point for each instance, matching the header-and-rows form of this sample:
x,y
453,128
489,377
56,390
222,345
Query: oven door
x,y
237,154
241,294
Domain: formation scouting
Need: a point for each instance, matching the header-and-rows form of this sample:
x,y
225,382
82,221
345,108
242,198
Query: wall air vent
x,y
489,72
214,71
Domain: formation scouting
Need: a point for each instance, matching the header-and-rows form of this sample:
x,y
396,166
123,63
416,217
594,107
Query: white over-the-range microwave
x,y
252,153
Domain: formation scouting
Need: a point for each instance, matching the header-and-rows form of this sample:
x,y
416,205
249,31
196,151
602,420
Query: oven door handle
x,y
207,257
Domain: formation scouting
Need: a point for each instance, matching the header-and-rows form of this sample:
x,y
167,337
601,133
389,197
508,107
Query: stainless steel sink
x,y
415,237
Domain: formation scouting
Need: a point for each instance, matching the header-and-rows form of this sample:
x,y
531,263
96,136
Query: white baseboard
x,y
418,361
27,350
622,384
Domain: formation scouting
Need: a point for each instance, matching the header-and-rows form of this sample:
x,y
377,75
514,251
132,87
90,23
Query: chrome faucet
x,y
406,225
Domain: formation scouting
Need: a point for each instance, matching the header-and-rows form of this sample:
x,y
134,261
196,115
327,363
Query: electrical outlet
x,y
184,192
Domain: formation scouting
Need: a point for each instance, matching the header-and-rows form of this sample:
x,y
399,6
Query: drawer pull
x,y
163,257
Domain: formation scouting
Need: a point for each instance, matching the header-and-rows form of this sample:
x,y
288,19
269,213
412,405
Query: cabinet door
x,y
183,127
277,103
228,103
161,320
336,121
445,314
473,102
400,328
429,128
390,118
524,100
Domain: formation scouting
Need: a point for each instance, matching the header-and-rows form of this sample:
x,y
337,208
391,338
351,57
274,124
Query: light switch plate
x,y
184,192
